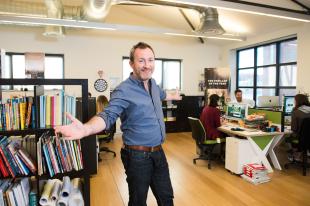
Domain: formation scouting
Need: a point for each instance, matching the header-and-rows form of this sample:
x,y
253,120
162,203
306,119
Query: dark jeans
x,y
144,170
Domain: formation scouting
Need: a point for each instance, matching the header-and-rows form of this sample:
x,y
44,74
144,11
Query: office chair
x,y
105,137
303,143
205,145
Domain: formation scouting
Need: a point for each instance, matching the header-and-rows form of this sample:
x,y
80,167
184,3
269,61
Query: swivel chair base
x,y
105,149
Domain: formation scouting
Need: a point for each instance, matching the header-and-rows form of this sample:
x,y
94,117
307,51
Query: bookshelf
x,y
170,115
177,111
88,145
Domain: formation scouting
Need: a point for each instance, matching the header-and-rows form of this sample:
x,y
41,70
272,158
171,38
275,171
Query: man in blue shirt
x,y
137,101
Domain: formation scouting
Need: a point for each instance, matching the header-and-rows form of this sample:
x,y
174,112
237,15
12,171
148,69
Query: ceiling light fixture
x,y
208,37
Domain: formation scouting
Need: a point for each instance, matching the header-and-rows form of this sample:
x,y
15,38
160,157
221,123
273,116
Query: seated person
x,y
210,118
101,102
106,135
300,112
239,99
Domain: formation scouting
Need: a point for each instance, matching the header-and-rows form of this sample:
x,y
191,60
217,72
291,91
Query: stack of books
x,y
255,173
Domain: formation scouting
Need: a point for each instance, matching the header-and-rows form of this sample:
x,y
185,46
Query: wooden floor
x,y
195,185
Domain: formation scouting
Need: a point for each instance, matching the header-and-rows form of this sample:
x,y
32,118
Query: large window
x,y
268,70
15,68
167,72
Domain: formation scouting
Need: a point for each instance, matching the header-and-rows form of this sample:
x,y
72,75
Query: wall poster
x,y
217,81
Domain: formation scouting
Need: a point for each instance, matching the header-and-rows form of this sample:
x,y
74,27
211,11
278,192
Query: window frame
x,y
162,66
277,65
10,54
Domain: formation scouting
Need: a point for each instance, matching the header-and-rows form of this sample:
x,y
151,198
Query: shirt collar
x,y
136,81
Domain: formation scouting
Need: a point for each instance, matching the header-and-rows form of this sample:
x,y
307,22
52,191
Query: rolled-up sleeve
x,y
115,108
162,93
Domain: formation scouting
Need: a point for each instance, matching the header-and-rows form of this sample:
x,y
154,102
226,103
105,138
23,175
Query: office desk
x,y
262,143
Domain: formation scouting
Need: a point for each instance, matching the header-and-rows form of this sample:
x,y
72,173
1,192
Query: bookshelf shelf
x,y
176,112
88,145
72,174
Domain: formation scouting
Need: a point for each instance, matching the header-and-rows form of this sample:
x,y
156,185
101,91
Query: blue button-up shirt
x,y
140,112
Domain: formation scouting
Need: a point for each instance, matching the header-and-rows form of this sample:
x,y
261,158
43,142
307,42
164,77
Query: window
x,y
167,73
15,68
268,70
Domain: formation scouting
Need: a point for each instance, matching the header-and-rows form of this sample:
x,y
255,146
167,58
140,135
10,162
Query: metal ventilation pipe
x,y
95,9
54,10
209,23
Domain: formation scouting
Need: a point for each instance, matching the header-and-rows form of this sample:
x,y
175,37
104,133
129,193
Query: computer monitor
x,y
268,101
288,104
236,111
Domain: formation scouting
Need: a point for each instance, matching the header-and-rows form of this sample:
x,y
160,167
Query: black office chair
x,y
105,137
205,145
303,144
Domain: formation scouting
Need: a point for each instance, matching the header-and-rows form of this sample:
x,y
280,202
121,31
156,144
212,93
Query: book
x,y
22,109
24,156
28,113
33,200
3,187
25,188
256,181
254,170
3,168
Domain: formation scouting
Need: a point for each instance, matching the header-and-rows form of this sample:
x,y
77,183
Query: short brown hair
x,y
301,99
140,45
238,90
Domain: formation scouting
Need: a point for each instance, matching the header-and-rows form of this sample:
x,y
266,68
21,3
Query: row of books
x,y
53,107
17,113
65,193
14,159
255,173
17,192
59,155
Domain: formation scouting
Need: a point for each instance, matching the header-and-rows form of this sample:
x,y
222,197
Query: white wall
x,y
303,60
88,51
228,55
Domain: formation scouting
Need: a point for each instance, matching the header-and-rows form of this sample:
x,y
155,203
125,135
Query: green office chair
x,y
105,137
205,145
303,144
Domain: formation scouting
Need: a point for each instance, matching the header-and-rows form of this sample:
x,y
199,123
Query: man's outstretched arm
x,y
78,130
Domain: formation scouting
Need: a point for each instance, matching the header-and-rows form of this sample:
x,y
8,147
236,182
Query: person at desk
x,y
300,112
211,118
239,99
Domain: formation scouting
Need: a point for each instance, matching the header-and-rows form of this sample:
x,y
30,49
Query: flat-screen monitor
x,y
268,101
288,104
236,111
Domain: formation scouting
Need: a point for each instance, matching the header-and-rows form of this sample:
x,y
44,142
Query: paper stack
x,y
255,173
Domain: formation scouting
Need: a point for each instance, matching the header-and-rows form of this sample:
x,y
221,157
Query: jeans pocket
x,y
138,156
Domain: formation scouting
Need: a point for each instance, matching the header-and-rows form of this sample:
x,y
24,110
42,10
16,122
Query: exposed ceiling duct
x,y
55,11
209,23
96,9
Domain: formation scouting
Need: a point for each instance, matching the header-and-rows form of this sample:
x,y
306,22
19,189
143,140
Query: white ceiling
x,y
243,24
